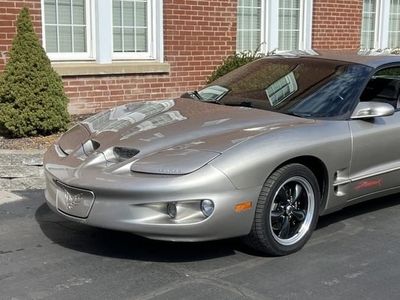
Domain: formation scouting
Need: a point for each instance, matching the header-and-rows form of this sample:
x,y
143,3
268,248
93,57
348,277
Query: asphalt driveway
x,y
353,254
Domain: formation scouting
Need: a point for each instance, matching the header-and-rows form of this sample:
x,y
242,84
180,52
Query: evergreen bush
x,y
32,98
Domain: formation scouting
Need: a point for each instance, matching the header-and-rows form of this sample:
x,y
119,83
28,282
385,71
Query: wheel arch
x,y
275,212
317,167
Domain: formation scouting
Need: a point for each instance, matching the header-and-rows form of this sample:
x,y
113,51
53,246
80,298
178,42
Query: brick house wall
x,y
337,24
9,11
198,34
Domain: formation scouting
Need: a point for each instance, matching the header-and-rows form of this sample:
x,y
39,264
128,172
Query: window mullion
x,y
272,24
135,27
150,28
90,28
103,17
378,24
57,27
122,27
383,32
306,24
263,30
302,25
158,30
72,26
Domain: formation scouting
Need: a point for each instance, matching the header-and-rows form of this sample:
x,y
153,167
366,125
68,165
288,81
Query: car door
x,y
375,162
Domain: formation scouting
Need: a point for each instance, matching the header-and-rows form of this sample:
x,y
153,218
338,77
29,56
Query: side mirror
x,y
366,110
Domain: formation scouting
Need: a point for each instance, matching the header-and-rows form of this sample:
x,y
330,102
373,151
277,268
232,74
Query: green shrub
x,y
32,98
233,62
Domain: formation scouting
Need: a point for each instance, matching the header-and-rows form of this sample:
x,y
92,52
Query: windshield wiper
x,y
192,95
197,95
297,114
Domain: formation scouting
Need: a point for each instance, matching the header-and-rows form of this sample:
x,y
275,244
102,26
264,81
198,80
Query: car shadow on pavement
x,y
125,245
358,210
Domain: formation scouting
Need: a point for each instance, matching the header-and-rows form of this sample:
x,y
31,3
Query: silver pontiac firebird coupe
x,y
260,153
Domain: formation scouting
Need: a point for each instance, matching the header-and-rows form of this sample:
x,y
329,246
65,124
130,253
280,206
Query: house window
x,y
249,25
289,24
368,24
130,26
380,24
66,27
103,30
258,21
394,24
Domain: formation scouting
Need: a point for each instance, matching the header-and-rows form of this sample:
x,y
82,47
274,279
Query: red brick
x,y
198,35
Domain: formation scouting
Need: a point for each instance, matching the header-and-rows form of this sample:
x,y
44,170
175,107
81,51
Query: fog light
x,y
207,207
171,209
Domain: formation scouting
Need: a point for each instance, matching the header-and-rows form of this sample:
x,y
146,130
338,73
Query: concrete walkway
x,y
6,197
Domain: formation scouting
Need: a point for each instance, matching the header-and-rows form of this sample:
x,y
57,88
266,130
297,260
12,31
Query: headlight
x,y
174,162
207,207
171,209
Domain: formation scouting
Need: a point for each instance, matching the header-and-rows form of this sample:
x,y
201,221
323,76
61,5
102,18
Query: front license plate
x,y
74,201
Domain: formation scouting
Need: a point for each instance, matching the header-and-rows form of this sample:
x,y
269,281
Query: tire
x,y
286,211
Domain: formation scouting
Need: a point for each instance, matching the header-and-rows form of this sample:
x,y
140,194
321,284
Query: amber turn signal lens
x,y
243,206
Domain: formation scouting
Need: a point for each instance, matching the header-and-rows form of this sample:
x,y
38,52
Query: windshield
x,y
306,87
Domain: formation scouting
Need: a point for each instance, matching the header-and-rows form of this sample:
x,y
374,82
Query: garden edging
x,y
21,169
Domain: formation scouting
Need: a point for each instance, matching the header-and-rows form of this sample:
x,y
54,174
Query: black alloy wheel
x,y
286,211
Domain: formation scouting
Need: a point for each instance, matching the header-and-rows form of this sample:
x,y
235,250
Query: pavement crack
x,y
5,276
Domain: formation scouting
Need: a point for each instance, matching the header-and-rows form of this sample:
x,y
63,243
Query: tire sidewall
x,y
282,175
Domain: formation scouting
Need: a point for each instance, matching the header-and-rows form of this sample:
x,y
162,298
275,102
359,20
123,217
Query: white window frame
x,y
248,31
100,35
270,23
151,25
381,36
89,34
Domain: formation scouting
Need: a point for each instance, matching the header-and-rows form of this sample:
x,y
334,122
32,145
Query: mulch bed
x,y
34,143
28,143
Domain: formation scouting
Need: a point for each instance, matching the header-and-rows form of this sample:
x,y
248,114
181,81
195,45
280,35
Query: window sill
x,y
93,68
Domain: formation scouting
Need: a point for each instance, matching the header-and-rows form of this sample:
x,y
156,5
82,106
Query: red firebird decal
x,y
366,184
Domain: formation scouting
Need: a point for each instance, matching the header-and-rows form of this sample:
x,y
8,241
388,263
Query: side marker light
x,y
243,206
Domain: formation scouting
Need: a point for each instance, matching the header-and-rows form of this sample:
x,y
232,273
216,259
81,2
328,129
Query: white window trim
x,y
89,45
270,19
381,36
151,28
103,11
383,24
100,35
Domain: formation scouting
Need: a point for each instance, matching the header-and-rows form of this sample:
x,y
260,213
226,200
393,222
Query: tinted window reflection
x,y
305,86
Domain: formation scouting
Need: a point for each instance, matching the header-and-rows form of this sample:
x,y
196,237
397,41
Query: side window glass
x,y
384,87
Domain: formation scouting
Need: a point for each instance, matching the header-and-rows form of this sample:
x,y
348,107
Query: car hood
x,y
167,136
181,124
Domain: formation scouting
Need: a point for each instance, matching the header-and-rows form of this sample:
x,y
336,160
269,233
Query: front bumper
x,y
138,203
